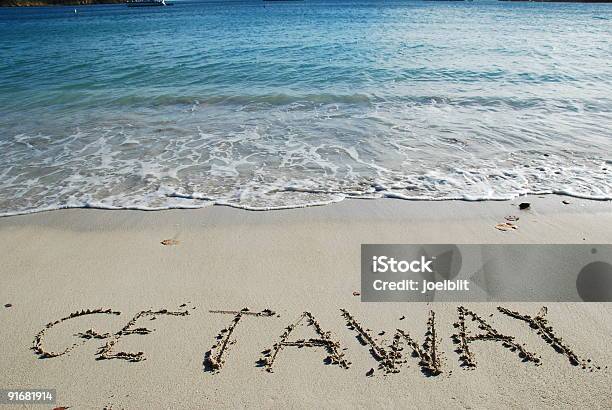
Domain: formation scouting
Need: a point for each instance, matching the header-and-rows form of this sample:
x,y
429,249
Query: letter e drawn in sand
x,y
106,351
214,359
391,358
540,325
324,340
463,339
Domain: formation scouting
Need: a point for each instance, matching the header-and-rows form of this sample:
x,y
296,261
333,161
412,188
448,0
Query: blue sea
x,y
263,105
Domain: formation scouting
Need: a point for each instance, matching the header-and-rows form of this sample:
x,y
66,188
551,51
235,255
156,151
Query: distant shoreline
x,y
560,1
41,3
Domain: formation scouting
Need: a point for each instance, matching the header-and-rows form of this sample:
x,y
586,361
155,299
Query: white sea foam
x,y
279,158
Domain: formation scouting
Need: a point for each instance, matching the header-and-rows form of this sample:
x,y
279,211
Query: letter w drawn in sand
x,y
391,358
324,340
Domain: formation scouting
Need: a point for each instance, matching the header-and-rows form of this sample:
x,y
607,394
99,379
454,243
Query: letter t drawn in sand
x,y
214,359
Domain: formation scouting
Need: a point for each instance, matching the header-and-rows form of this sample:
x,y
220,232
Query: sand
x,y
292,261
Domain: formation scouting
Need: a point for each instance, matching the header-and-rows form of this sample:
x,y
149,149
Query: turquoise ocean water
x,y
271,105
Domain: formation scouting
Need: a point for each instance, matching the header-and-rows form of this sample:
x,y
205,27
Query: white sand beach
x,y
302,260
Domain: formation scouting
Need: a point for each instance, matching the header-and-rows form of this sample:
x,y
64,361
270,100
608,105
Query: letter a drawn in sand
x,y
324,340
463,339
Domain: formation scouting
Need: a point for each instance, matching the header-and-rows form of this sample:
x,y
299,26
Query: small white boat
x,y
147,3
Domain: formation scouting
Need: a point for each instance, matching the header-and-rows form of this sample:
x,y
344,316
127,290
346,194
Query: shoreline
x,y
212,203
58,264
553,210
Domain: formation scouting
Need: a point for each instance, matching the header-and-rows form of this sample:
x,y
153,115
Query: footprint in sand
x,y
506,226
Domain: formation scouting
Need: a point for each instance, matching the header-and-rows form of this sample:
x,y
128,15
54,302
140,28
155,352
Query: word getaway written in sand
x,y
469,329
